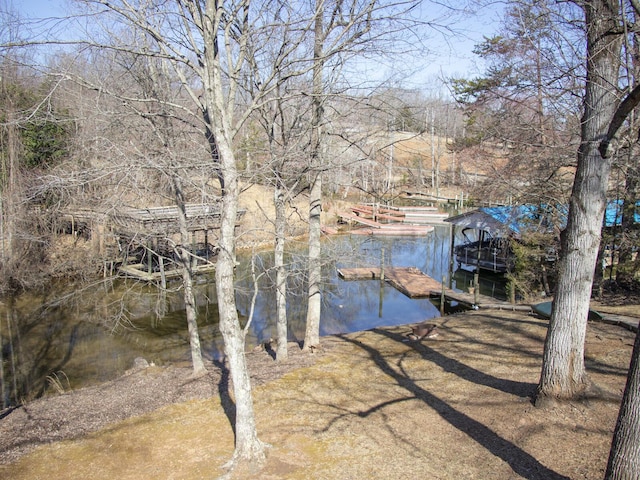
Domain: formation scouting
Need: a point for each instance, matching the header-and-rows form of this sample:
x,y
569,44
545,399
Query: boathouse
x,y
141,241
489,231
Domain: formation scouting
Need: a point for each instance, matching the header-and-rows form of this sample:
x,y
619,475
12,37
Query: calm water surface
x,y
80,336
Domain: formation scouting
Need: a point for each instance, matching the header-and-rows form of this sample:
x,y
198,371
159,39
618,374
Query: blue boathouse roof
x,y
507,221
613,213
513,220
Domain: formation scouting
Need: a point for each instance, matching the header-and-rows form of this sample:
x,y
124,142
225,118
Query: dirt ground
x,y
372,405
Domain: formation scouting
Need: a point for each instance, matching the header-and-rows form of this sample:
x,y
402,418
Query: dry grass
x,y
373,405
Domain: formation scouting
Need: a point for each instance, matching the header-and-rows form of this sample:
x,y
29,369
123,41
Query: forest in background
x,y
75,135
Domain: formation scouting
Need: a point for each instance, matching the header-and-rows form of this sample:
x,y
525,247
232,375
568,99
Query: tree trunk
x,y
190,308
10,191
187,282
563,372
281,274
624,459
248,446
312,333
218,116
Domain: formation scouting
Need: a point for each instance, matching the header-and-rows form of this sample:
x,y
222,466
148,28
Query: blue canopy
x,y
613,213
513,220
510,221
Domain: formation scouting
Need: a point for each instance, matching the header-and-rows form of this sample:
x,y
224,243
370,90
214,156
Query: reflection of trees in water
x,y
57,341
34,352
77,336
346,304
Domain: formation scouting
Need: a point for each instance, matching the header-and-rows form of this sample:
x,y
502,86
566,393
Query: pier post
x,y
194,261
163,279
381,296
476,275
452,237
149,259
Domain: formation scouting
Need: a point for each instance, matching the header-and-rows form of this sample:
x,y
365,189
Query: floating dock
x,y
415,284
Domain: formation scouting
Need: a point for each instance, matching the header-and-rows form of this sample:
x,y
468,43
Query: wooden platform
x,y
386,220
413,283
138,271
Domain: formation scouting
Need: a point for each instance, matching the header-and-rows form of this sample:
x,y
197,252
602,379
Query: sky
x,y
454,55
39,8
451,57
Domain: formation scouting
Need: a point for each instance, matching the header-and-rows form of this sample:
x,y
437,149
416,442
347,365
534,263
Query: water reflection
x,y
85,336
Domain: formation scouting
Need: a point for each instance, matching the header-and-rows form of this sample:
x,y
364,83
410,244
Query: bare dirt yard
x,y
368,405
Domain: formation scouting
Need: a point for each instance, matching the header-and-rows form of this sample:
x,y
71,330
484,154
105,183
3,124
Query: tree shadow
x,y
519,460
508,328
451,365
228,405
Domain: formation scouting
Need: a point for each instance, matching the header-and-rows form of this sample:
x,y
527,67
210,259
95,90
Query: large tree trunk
x,y
281,273
312,333
624,459
563,372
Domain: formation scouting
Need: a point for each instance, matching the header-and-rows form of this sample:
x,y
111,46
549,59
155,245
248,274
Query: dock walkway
x,y
416,284
630,323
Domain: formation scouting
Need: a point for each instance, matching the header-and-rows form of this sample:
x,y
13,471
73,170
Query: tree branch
x,y
624,109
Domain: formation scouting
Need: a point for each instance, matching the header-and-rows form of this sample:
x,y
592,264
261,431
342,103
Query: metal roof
x,y
613,213
507,221
513,220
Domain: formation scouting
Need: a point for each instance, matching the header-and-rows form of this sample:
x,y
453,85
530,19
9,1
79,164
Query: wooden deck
x,y
415,284
138,271
385,220
119,235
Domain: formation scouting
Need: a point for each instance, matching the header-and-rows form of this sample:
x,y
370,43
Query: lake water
x,y
76,336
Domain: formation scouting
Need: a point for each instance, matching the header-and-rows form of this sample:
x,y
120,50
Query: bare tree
x,y
281,119
342,29
208,47
563,370
314,300
156,110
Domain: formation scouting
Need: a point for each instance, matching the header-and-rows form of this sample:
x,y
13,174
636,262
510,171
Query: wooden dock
x,y
126,235
414,284
387,220
138,270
